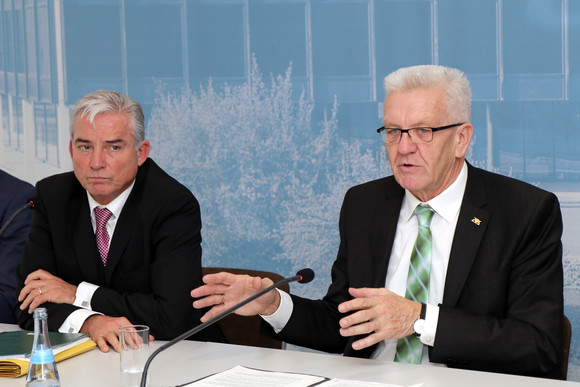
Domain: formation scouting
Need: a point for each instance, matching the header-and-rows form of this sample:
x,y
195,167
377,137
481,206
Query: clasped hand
x,y
41,286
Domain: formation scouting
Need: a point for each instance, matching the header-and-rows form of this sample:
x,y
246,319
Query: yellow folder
x,y
13,368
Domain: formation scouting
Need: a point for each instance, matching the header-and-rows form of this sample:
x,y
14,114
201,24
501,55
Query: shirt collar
x,y
115,206
446,204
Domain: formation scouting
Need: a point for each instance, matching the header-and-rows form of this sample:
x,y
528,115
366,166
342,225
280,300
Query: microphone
x,y
29,204
302,276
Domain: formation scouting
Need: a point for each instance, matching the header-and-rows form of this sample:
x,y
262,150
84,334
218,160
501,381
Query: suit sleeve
x,y
39,253
315,323
510,320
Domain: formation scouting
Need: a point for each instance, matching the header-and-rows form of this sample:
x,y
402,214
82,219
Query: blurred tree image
x,y
270,181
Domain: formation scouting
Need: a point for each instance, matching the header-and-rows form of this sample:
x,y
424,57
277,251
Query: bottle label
x,y
41,356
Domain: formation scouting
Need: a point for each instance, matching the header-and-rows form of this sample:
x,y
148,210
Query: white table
x,y
190,360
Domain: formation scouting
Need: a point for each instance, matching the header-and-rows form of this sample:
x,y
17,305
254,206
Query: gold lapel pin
x,y
477,221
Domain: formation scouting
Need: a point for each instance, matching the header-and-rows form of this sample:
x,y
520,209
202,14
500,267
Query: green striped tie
x,y
410,348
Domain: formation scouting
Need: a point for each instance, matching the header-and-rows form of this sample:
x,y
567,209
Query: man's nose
x,y
97,159
406,145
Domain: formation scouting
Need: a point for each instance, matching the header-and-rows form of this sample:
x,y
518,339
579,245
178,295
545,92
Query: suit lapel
x,y
384,229
124,228
471,225
120,239
384,226
85,245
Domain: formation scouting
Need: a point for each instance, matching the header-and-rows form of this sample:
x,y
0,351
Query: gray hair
x,y
453,82
109,101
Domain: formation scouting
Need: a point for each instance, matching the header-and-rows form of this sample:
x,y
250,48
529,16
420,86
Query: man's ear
x,y
463,138
143,152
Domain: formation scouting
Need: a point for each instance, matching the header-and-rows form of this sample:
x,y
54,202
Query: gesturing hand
x,y
379,313
224,290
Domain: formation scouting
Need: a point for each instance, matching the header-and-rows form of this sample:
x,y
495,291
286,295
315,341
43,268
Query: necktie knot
x,y
424,215
102,216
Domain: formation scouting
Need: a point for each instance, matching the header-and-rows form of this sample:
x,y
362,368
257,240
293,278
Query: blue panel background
x,y
267,109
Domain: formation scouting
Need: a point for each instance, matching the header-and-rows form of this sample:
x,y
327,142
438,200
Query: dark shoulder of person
x,y
158,185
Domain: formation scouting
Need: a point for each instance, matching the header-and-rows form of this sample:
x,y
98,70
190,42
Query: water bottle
x,y
42,371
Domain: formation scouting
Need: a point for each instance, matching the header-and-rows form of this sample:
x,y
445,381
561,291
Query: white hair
x,y
453,82
109,101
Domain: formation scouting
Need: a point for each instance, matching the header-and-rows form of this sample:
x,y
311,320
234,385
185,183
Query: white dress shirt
x,y
446,206
85,290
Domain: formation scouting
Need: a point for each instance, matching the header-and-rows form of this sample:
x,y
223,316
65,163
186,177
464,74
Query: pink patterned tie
x,y
102,216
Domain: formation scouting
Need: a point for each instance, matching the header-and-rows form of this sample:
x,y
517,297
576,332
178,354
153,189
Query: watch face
x,y
418,326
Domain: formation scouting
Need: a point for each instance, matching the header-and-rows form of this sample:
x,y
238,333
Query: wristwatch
x,y
419,324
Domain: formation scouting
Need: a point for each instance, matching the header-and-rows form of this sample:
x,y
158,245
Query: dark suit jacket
x,y
13,195
154,258
503,301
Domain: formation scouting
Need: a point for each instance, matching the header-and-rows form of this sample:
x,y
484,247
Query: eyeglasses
x,y
417,135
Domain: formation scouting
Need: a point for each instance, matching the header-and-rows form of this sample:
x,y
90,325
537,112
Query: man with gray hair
x,y
440,263
116,242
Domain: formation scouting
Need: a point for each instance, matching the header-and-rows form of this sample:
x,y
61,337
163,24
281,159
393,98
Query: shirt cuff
x,y
280,317
430,327
84,295
75,321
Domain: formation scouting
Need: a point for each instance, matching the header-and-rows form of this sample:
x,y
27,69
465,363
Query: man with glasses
x,y
441,263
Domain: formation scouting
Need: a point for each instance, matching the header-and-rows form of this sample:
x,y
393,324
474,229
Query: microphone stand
x,y
304,277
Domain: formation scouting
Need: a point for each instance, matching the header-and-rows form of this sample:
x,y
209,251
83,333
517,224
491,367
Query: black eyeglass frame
x,y
433,130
